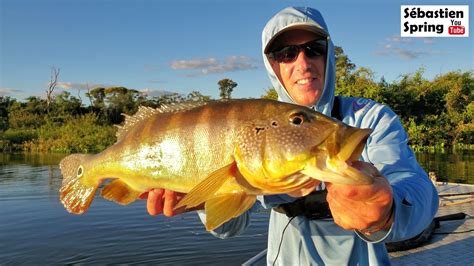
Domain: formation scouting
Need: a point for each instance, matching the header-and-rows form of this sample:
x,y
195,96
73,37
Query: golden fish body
x,y
222,153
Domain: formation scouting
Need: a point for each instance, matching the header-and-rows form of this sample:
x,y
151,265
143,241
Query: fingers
x,y
154,203
170,200
367,168
143,196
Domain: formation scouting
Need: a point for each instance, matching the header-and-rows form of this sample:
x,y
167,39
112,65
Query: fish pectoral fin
x,y
120,192
225,207
207,188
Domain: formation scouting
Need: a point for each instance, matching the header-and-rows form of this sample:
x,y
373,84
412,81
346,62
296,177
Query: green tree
x,y
97,96
270,93
170,98
66,104
196,96
120,100
30,114
5,105
344,69
226,86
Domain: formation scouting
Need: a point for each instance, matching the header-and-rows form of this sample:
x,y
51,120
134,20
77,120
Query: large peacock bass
x,y
222,153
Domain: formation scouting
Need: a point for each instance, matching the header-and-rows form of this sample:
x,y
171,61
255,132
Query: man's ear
x,y
275,66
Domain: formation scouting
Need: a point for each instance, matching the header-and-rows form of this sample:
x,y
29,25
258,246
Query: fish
x,y
223,154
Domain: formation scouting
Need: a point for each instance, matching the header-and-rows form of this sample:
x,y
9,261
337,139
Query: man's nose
x,y
302,61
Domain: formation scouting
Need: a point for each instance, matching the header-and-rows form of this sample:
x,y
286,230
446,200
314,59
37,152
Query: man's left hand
x,y
366,208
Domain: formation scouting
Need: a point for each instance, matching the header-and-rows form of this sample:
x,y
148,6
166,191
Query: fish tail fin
x,y
76,192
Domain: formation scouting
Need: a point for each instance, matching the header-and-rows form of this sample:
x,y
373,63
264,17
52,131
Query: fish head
x,y
272,151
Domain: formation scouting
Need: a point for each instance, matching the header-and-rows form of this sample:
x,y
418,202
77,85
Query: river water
x,y
36,229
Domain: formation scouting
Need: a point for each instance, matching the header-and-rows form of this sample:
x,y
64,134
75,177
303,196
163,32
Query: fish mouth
x,y
338,167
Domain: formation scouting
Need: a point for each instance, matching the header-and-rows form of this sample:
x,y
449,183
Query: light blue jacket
x,y
311,242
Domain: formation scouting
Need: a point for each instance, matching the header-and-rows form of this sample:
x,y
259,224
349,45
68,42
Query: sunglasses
x,y
288,54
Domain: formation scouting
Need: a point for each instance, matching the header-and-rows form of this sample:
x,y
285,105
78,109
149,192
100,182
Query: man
x,y
299,56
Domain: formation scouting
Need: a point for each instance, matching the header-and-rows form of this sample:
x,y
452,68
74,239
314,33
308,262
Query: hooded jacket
x,y
415,200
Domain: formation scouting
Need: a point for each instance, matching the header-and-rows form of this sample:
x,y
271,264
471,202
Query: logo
x,y
359,104
457,30
434,21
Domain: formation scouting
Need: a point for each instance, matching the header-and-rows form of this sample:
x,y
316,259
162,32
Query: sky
x,y
189,45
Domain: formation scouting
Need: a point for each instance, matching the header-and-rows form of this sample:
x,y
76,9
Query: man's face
x,y
303,78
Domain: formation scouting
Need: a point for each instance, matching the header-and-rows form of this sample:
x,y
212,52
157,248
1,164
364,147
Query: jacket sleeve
x,y
414,196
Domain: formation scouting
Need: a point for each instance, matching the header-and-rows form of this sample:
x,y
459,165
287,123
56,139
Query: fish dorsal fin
x,y
131,120
145,112
177,107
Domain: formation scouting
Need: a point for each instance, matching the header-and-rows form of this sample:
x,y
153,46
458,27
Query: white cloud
x,y
407,48
428,40
212,65
398,39
154,81
9,91
79,85
194,63
155,92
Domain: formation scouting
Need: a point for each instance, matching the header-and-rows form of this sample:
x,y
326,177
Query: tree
x,y
66,104
226,86
5,105
196,96
120,100
97,98
51,86
271,94
344,69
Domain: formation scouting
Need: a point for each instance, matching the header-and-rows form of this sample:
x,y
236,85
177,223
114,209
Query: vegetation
x,y
437,114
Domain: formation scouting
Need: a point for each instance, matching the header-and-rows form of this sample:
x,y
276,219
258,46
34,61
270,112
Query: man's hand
x,y
162,201
366,208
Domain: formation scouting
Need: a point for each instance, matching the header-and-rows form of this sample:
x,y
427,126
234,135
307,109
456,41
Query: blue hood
x,y
301,18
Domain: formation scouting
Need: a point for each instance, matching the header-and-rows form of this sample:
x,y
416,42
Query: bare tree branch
x,y
51,86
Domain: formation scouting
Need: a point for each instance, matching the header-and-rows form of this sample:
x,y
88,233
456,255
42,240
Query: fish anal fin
x,y
208,187
223,208
120,192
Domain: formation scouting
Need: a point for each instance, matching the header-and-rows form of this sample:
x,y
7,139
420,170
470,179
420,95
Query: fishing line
x,y
281,240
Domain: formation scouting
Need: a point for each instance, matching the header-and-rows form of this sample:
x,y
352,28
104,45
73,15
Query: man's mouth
x,y
304,81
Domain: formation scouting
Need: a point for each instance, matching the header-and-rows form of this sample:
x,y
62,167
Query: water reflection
x,y
449,167
35,227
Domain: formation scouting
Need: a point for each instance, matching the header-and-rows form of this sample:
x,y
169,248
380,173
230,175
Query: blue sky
x,y
184,45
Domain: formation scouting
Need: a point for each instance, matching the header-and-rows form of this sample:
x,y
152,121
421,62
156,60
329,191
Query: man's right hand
x,y
162,201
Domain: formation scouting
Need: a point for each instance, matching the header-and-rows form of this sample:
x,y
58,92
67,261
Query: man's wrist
x,y
385,225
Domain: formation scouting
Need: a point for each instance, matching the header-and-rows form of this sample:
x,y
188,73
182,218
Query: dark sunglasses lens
x,y
315,49
286,54
290,53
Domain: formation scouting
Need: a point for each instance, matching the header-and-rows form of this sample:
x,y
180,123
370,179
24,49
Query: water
x,y
36,229
452,167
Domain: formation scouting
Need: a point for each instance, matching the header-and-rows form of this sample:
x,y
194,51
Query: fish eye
x,y
297,118
79,171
